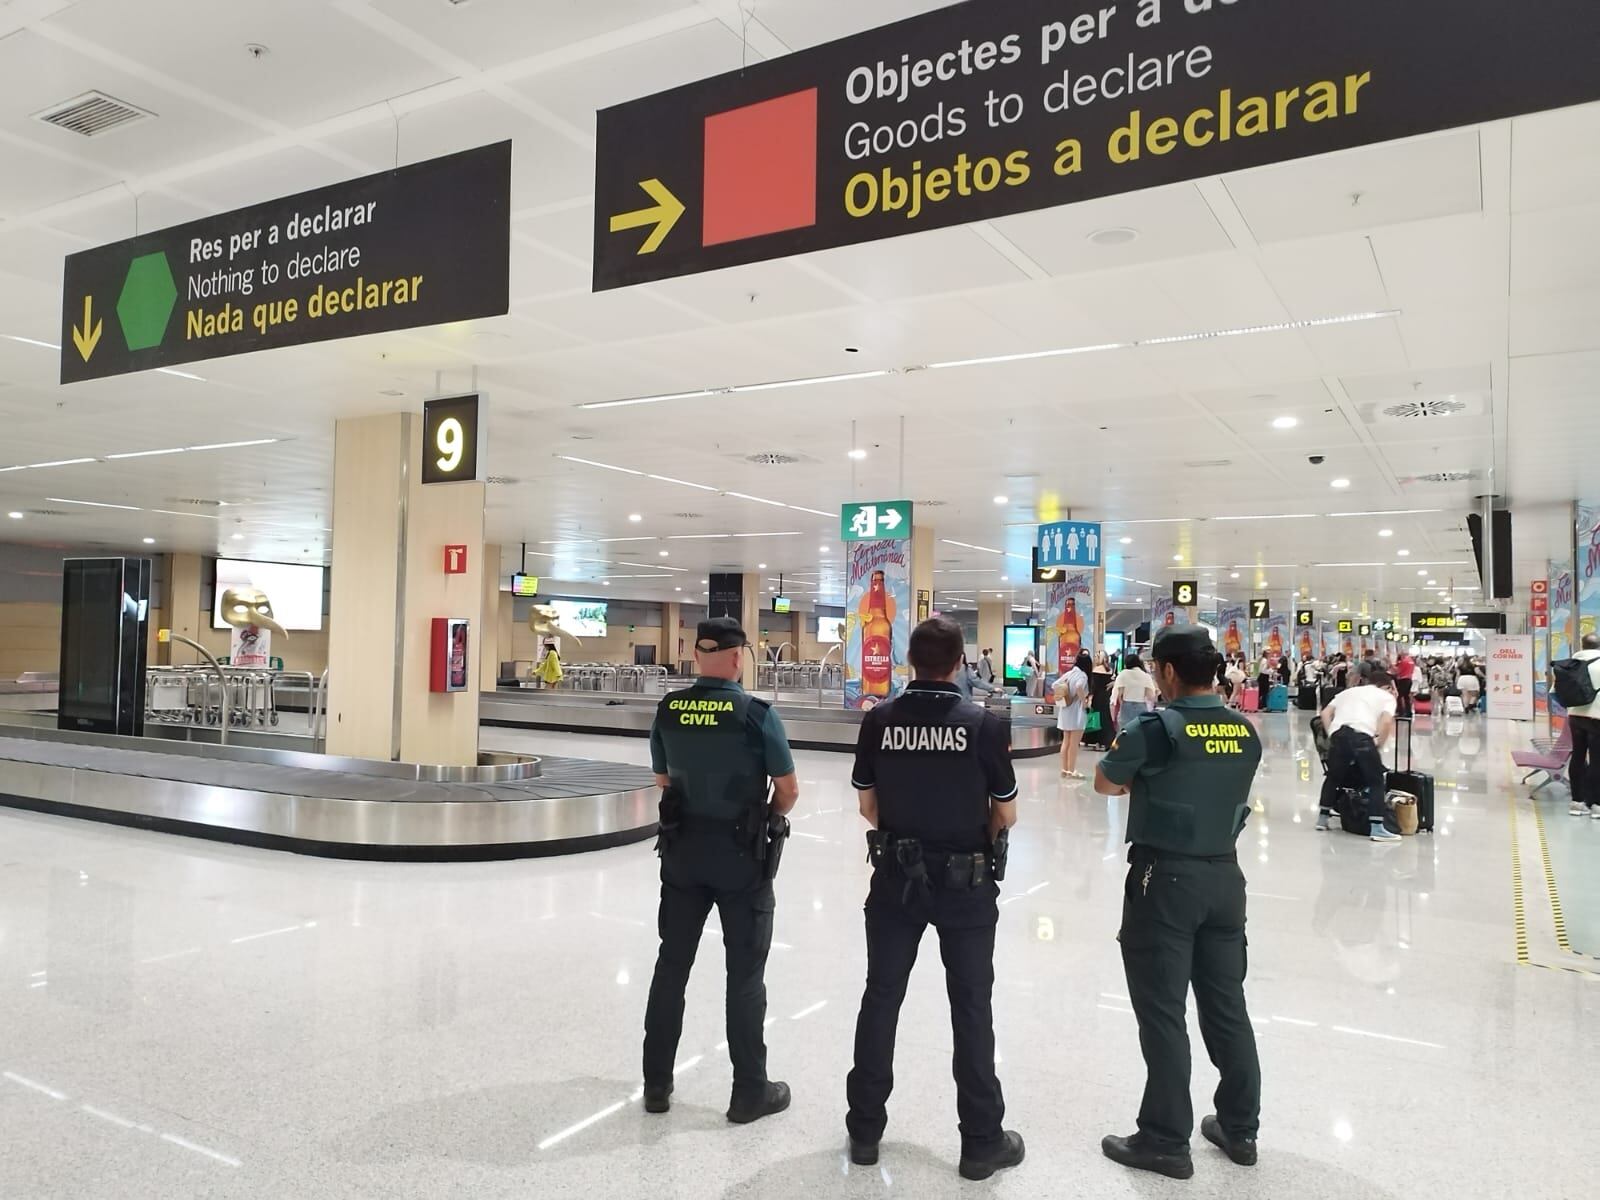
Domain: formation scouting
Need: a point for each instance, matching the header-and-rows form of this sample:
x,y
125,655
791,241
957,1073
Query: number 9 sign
x,y
450,440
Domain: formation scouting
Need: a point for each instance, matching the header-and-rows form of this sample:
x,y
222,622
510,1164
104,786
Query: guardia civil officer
x,y
934,774
1189,769
713,748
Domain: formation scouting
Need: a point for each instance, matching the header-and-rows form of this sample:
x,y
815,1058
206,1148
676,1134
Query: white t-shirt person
x,y
1363,709
1134,685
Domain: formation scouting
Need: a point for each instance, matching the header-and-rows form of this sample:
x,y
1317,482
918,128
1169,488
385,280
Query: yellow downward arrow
x,y
664,215
87,338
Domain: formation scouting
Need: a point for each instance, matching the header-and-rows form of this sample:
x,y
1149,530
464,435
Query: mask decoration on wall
x,y
542,621
243,607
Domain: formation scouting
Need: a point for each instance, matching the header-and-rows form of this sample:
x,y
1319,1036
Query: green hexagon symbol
x,y
147,300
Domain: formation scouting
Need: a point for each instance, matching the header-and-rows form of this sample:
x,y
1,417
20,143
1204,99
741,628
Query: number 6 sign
x,y
450,432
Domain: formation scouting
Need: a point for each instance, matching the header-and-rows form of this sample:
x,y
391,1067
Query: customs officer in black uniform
x,y
713,749
1189,769
934,773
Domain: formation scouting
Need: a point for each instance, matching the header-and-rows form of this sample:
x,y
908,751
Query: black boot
x,y
1241,1150
657,1099
1009,1153
774,1098
1138,1152
863,1154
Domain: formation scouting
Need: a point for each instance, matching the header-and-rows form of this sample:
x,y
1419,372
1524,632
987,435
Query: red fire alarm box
x,y
455,560
447,658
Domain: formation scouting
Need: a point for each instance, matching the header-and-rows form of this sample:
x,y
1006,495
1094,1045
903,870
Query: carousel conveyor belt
x,y
272,799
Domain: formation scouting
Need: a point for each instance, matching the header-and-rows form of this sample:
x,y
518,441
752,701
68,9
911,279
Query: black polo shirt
x,y
935,761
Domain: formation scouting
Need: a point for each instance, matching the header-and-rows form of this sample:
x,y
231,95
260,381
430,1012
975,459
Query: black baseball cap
x,y
719,633
1180,641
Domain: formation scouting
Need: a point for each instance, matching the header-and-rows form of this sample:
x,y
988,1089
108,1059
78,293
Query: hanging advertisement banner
x,y
878,605
1510,670
1306,641
1234,622
1563,599
1275,638
1162,614
1588,568
1069,620
250,646
976,111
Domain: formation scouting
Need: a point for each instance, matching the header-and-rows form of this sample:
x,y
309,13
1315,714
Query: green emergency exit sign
x,y
880,521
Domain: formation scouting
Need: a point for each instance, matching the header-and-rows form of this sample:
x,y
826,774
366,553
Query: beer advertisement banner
x,y
1165,613
1276,637
1563,596
1234,626
1069,621
1588,568
878,608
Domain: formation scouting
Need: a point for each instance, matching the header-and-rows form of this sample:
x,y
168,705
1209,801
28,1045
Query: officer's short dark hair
x,y
1195,668
937,646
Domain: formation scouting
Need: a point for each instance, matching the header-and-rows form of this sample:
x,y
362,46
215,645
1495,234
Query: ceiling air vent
x,y
689,516
502,480
48,512
1213,464
772,458
932,504
189,502
1415,410
92,114
1448,477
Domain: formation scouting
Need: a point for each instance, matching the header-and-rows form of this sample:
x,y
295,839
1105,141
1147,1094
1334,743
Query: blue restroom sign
x,y
1069,544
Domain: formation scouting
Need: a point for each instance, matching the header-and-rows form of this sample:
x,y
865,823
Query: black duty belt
x,y
1145,854
689,823
928,868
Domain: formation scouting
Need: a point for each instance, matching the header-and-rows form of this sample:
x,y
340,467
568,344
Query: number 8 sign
x,y
450,433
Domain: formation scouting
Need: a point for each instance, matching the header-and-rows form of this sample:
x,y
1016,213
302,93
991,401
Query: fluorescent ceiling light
x,y
738,389
1285,422
65,462
1349,564
589,462
147,453
123,507
1390,512
1269,517
27,341
179,374
1339,484
1262,566
756,499
236,445
166,512
1153,521
970,546
1029,356
699,487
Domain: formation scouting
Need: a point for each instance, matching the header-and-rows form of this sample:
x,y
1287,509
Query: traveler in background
x,y
1340,669
1359,721
1404,671
1236,681
1100,683
986,667
1367,665
1585,764
1071,696
1223,688
1134,692
1470,686
1263,680
969,681
1283,673
1440,680
1032,676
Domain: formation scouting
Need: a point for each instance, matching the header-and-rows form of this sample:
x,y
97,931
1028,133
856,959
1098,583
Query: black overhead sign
x,y
421,245
980,110
1491,621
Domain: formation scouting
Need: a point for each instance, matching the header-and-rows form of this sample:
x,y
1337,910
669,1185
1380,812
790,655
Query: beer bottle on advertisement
x,y
877,641
1069,636
1305,644
1232,641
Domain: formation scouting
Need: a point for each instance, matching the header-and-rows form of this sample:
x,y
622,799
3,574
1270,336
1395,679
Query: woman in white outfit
x,y
1071,696
1134,692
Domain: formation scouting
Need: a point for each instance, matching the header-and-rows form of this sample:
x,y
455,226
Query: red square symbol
x,y
761,169
455,560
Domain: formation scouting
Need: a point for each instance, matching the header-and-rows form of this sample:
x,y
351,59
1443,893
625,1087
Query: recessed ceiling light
x,y
15,516
1005,579
858,455
635,517
1385,533
1117,235
1179,558
664,553
1127,541
238,537
1313,600
1235,575
1002,499
677,589
605,583
149,541
822,550
761,566
1340,484
1433,583
1285,422
1403,553
1422,573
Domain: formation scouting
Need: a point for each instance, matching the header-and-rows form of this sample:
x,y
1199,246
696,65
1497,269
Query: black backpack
x,y
1574,682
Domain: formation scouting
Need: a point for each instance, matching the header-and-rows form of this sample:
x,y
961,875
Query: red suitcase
x,y
1251,701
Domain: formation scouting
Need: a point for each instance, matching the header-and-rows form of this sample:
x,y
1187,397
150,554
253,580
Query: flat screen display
x,y
524,585
581,618
1021,641
295,590
831,629
780,605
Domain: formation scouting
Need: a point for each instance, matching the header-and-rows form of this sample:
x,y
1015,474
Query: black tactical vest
x,y
1192,796
929,771
715,753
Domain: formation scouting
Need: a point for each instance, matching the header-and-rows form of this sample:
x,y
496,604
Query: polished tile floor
x,y
180,1019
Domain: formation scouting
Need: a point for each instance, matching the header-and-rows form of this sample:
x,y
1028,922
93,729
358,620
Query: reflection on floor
x,y
185,1019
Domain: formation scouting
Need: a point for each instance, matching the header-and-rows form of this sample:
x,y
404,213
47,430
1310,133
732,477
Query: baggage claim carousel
x,y
269,789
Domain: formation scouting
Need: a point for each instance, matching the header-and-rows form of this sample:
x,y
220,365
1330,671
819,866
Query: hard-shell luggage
x,y
1423,705
1251,701
1417,783
1278,699
1306,701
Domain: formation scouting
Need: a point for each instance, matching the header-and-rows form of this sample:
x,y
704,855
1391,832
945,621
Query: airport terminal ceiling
x,y
1469,257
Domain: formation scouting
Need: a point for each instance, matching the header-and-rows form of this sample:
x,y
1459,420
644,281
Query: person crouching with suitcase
x,y
1359,721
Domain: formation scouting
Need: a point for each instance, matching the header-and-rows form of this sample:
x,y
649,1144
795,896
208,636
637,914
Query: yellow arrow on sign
x,y
87,338
664,215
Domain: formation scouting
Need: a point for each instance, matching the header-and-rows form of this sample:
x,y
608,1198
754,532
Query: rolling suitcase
x,y
1278,699
1418,783
1306,701
1325,695
1251,701
1422,705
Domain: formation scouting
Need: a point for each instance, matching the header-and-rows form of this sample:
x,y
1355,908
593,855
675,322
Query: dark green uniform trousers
x,y
697,871
1182,924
